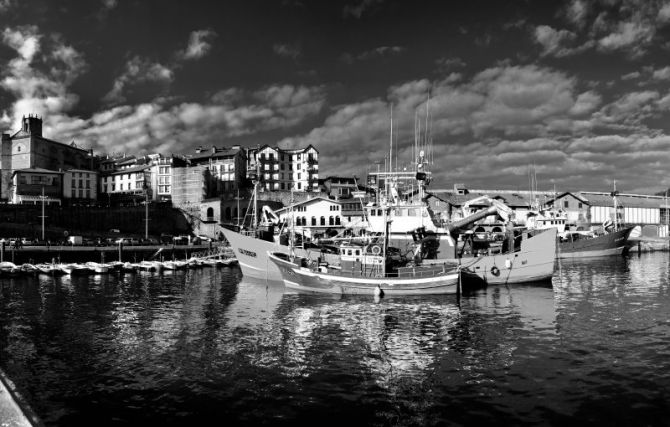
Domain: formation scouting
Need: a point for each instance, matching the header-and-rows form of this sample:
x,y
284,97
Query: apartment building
x,y
278,169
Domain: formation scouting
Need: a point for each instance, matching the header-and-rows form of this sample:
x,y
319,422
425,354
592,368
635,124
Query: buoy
x,y
495,271
379,292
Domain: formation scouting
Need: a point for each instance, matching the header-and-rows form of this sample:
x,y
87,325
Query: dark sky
x,y
576,89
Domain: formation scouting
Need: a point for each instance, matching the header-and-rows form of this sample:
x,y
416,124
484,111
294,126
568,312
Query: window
x,y
323,220
337,220
579,205
331,221
299,177
313,220
373,212
566,204
74,182
299,186
121,187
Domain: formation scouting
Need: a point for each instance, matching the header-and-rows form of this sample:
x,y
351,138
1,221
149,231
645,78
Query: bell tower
x,y
32,125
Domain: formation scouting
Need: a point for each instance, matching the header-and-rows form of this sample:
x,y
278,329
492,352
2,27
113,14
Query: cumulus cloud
x,y
39,88
5,5
553,41
286,50
138,70
199,44
661,74
160,126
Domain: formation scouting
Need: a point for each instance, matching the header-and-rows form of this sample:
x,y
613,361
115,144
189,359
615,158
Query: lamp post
x,y
43,198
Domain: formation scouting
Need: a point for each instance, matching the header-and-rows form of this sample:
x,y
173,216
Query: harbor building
x,y
592,208
80,186
120,177
29,149
228,167
314,215
36,185
285,169
126,186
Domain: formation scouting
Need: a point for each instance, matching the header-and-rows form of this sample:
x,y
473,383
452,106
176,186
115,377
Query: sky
x,y
577,91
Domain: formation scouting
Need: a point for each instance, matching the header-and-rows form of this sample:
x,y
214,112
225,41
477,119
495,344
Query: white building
x,y
128,182
279,169
314,215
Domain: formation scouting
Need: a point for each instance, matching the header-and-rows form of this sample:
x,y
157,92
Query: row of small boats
x,y
9,269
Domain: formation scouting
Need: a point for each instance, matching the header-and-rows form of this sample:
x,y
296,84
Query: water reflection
x,y
187,346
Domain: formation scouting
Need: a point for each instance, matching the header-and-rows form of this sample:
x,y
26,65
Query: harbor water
x,y
192,347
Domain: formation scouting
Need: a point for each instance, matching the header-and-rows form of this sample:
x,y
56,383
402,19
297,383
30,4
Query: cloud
x,y
138,70
5,5
199,44
286,50
626,35
576,12
42,87
661,74
664,14
553,41
109,4
358,10
381,51
631,76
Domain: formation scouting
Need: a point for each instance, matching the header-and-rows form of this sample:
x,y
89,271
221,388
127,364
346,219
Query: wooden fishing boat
x,y
585,244
365,270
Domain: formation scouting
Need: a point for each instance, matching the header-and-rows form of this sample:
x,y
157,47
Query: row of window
x,y
301,220
281,176
289,157
81,183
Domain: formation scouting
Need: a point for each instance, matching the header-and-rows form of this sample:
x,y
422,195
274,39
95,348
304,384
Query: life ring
x,y
495,271
376,249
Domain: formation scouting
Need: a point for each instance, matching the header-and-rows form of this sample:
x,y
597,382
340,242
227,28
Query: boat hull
x,y
306,280
252,255
612,244
534,262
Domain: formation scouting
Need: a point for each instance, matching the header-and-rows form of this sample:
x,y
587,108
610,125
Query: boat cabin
x,y
362,260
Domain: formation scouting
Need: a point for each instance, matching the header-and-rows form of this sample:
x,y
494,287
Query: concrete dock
x,y
13,411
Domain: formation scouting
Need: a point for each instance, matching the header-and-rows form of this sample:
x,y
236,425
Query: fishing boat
x,y
585,244
608,240
364,270
526,256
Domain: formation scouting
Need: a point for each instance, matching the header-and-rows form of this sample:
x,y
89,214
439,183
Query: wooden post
x,y
120,250
2,252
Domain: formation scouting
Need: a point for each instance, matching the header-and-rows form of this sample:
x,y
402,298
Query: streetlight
x,y
43,198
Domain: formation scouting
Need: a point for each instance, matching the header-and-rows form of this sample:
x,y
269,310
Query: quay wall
x,y
39,254
26,221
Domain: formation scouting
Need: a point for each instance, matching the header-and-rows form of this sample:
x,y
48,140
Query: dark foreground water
x,y
202,347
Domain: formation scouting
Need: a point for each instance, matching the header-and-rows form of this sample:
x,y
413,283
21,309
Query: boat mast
x,y
616,207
